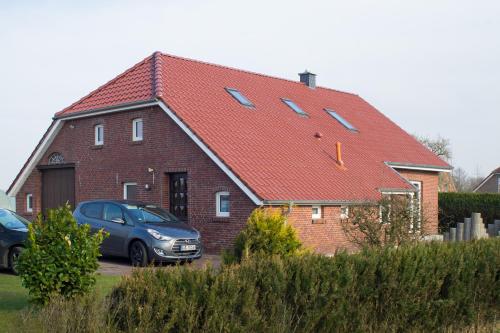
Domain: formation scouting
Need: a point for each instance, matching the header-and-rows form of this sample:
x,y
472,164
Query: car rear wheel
x,y
13,257
138,254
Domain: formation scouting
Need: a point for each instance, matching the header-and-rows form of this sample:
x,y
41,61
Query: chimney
x,y
308,78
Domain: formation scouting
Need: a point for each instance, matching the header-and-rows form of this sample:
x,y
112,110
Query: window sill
x,y
319,221
97,147
136,143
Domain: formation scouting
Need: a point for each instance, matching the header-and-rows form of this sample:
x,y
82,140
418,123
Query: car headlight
x,y
156,234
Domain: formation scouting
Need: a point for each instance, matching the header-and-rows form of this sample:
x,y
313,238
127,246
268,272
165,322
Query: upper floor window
x,y
99,135
29,203
239,97
294,107
222,203
137,129
316,212
56,158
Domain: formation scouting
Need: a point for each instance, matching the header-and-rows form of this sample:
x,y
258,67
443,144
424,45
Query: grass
x,y
14,297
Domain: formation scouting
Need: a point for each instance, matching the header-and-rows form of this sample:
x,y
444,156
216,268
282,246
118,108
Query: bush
x,y
420,288
266,233
60,257
454,207
392,221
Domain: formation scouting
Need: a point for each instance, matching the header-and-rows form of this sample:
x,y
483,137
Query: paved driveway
x,y
121,266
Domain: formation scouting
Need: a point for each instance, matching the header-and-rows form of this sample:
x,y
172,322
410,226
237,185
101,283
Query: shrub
x,y
392,221
266,233
60,257
420,288
454,207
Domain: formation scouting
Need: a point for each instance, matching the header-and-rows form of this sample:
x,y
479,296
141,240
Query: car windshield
x,y
11,220
150,214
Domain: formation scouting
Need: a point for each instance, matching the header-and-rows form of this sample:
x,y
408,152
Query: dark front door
x,y
178,195
58,187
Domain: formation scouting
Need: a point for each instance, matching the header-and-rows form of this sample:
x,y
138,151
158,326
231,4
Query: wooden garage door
x,y
58,187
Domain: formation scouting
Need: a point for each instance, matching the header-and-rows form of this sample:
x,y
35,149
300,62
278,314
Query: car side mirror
x,y
118,220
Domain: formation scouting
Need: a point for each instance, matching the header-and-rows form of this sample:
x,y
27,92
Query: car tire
x,y
13,256
138,254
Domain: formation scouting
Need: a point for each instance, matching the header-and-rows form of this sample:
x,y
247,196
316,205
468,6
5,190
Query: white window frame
x,y
135,137
418,184
29,197
218,196
98,142
317,215
344,215
125,189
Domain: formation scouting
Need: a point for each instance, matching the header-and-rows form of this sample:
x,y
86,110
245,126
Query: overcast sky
x,y
431,66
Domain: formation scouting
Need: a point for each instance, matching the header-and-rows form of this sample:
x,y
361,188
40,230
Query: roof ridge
x,y
93,92
250,72
157,74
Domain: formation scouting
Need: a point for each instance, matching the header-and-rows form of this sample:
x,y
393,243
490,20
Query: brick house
x,y
490,184
212,143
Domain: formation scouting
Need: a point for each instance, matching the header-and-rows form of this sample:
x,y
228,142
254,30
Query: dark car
x,y
140,232
13,233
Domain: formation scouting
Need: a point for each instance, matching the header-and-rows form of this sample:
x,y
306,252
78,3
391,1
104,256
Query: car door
x,y
115,224
91,214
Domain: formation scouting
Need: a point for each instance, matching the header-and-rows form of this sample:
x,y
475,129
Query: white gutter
x,y
210,154
417,167
59,121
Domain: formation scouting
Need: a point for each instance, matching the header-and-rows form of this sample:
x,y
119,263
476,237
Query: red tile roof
x,y
273,150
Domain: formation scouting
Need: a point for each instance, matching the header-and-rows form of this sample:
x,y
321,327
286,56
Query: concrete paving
x,y
121,266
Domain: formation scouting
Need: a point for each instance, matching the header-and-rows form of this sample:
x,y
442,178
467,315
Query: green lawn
x,y
13,297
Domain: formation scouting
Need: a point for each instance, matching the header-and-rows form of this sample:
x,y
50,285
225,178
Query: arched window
x,y
56,158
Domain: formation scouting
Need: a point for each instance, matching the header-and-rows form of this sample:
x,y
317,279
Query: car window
x,y
92,210
146,215
112,211
11,220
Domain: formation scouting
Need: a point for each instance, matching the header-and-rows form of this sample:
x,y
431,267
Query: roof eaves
x,y
316,202
423,167
109,109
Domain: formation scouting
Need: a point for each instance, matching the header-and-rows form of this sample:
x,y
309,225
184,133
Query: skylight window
x,y
239,97
341,120
294,107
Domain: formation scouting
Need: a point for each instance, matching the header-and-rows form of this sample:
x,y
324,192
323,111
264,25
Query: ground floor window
x,y
344,212
130,191
29,203
222,203
316,212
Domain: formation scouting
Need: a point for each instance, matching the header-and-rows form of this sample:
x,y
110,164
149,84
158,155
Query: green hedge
x,y
422,288
454,207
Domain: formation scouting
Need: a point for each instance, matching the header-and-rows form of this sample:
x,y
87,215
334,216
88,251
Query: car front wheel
x,y
13,257
138,254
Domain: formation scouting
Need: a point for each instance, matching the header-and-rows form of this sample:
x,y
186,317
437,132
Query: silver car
x,y
141,232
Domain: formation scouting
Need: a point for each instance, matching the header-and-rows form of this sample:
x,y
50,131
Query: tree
x,y
439,146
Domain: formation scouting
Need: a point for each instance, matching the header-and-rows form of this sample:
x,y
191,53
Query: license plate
x,y
188,247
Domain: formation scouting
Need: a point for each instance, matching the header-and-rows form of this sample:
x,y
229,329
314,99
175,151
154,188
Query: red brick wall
x,y
429,196
101,171
324,235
